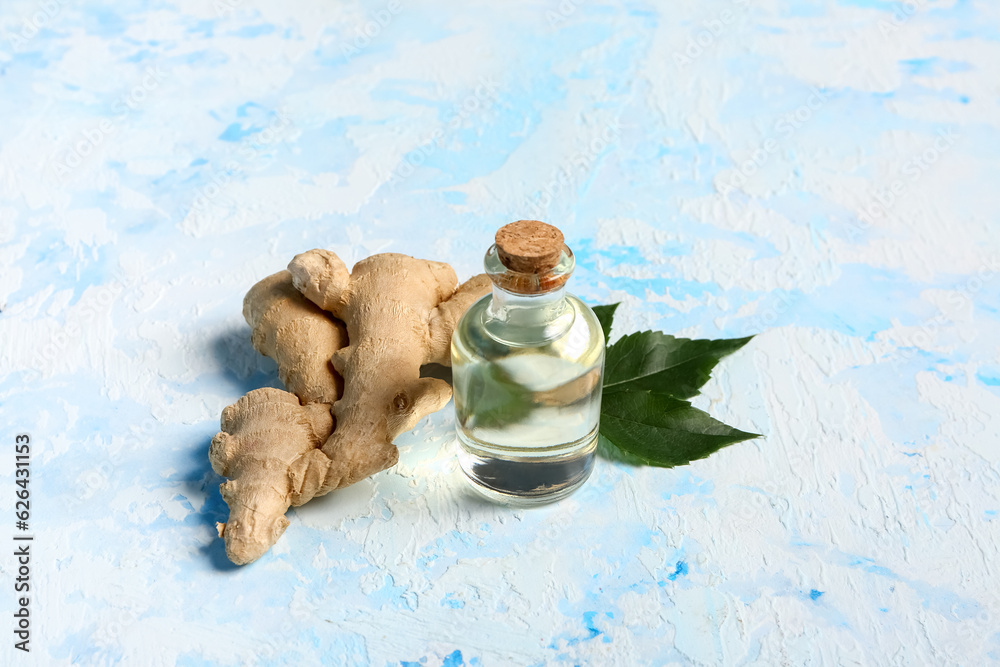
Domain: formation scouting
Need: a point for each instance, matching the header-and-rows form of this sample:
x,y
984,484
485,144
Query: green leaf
x,y
654,361
607,450
605,314
661,430
494,396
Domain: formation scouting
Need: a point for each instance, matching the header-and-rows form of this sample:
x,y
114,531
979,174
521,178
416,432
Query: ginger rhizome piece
x,y
263,435
298,335
280,449
400,313
268,429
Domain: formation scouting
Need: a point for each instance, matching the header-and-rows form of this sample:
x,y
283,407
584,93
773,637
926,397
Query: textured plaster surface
x,y
823,173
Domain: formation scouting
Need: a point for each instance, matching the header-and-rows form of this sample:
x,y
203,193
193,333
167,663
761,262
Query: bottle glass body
x,y
527,372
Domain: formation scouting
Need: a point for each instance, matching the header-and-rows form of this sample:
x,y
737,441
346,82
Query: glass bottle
x,y
527,367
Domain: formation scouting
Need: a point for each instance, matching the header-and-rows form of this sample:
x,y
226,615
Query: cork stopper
x,y
529,246
529,257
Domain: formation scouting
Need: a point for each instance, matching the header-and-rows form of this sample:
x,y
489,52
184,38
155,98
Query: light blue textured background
x,y
822,172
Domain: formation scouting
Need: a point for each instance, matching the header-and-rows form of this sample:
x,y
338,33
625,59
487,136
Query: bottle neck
x,y
528,319
528,308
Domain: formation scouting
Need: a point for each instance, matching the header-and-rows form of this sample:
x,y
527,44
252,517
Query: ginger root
x,y
298,335
268,429
263,434
280,449
400,313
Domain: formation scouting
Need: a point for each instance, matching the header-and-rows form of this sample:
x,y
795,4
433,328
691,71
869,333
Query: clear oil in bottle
x,y
527,366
